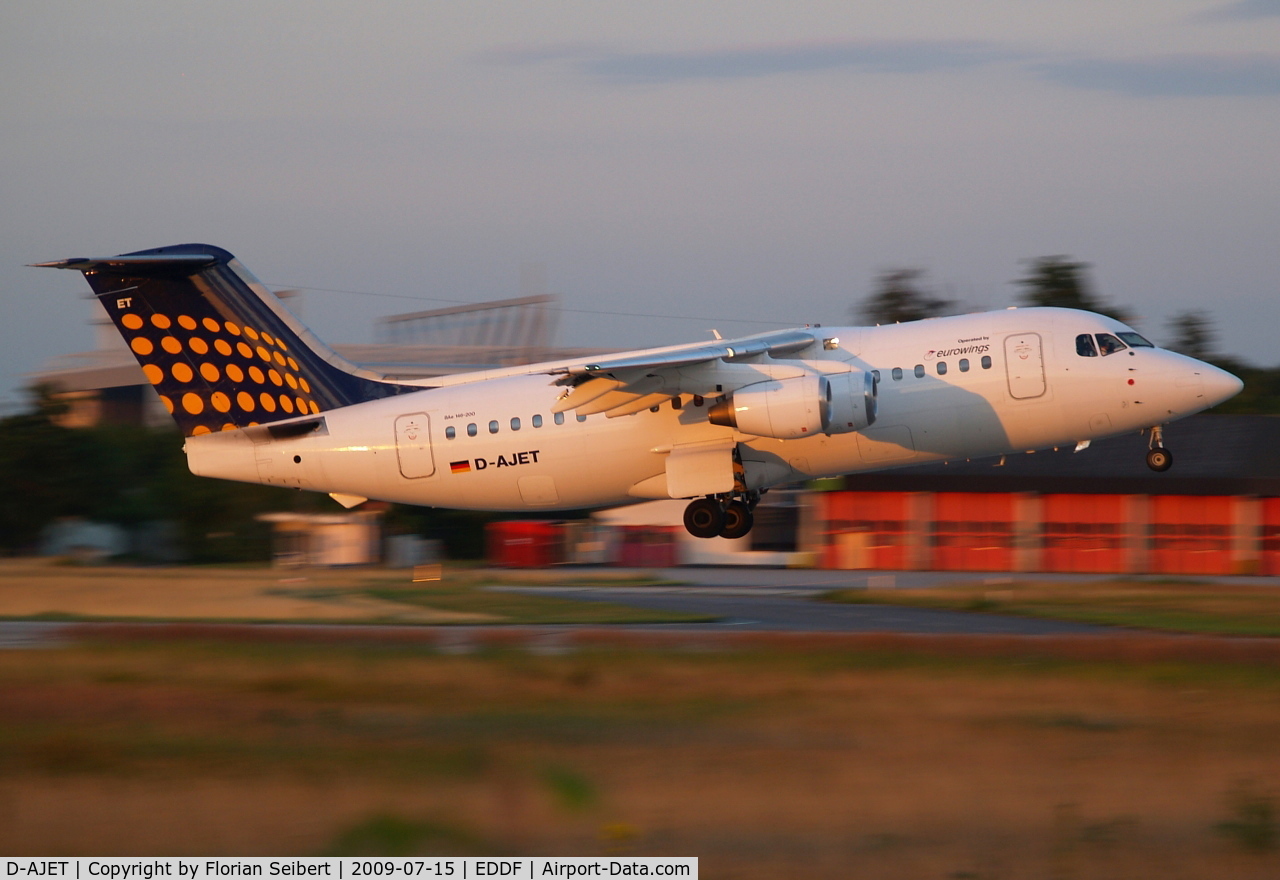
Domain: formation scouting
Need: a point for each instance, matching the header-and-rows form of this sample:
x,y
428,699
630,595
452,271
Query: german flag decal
x,y
459,467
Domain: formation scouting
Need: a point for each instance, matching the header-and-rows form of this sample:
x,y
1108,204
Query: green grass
x,y
1169,606
471,597
387,834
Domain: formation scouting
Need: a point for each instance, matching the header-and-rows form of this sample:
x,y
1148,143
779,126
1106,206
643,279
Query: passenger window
x,y
559,418
942,368
964,365
471,429
582,418
676,403
515,424
537,421
875,374
1085,347
986,362
897,374
493,427
919,371
450,433
1109,344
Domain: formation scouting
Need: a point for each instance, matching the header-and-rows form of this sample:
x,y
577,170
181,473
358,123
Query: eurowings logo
x,y
957,351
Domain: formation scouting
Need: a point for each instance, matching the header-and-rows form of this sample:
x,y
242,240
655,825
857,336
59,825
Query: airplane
x,y
260,399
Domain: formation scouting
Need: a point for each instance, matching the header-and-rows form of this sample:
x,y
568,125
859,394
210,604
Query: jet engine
x,y
800,407
853,401
782,408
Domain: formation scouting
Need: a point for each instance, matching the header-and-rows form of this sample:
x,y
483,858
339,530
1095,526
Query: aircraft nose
x,y
1219,385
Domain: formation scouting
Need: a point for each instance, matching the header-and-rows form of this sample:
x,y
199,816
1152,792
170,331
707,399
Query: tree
x,y
899,296
126,476
1061,282
1193,334
132,477
43,468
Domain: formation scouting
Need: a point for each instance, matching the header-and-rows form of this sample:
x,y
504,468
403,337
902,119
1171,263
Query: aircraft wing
x,y
637,381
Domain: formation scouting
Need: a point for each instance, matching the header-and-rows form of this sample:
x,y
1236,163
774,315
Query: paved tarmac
x,y
794,610
784,600
772,600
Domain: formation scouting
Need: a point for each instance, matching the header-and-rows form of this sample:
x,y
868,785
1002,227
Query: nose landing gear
x,y
1159,459
723,516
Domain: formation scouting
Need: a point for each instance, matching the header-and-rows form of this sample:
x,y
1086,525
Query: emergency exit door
x,y
1024,365
413,446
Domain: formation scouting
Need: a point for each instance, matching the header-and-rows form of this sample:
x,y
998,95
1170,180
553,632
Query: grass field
x,y
1122,756
1168,605
768,757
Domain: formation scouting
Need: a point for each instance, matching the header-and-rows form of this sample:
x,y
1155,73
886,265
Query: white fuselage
x,y
948,388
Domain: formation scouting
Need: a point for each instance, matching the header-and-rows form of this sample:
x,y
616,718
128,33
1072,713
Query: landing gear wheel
x,y
704,517
1159,458
738,520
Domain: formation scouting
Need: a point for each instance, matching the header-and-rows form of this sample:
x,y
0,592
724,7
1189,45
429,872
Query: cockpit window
x,y
1085,347
1109,344
1136,340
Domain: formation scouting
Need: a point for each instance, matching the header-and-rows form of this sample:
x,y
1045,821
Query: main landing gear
x,y
1158,458
721,515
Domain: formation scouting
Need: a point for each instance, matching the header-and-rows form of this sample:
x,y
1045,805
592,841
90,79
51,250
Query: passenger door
x,y
1024,365
413,446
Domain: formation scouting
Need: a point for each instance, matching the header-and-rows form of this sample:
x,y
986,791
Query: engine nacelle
x,y
790,408
853,401
781,408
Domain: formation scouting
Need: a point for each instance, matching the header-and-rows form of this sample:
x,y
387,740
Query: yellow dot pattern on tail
x,y
220,349
192,355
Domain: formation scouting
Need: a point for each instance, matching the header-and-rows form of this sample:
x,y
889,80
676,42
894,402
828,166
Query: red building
x,y
1100,510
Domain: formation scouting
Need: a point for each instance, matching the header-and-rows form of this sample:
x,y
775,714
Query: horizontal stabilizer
x,y
153,264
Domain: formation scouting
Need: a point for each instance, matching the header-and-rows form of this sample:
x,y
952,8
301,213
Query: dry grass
x,y
30,588
771,757
48,589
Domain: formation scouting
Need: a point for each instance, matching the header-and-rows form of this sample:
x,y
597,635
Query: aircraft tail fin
x,y
221,350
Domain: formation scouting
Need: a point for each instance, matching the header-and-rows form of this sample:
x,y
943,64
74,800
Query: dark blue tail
x,y
221,350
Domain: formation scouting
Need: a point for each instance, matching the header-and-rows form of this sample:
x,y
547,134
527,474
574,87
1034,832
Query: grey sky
x,y
733,165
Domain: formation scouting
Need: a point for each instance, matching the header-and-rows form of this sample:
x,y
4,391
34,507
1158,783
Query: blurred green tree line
x,y
132,476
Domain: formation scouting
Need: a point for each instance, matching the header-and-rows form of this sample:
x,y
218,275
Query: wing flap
x,y
582,394
607,403
781,342
640,404
626,385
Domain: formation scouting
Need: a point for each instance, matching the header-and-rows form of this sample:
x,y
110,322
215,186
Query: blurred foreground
x,y
766,756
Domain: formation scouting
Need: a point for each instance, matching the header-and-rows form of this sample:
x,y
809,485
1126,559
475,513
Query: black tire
x,y
738,520
704,517
1159,459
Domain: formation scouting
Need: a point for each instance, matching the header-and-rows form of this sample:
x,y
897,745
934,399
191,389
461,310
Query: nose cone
x,y
1219,385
